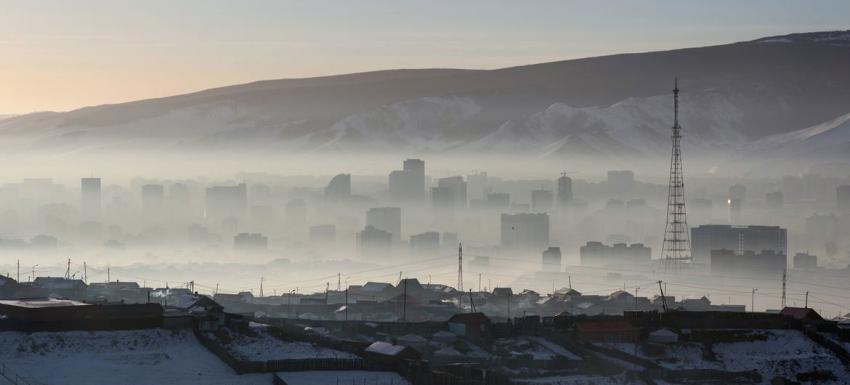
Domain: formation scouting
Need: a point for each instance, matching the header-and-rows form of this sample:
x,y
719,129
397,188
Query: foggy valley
x,y
662,216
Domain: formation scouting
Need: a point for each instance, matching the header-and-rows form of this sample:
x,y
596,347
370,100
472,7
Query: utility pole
x,y
327,290
510,297
753,300
107,275
479,282
471,302
261,286
570,281
404,305
216,289
68,270
636,296
807,300
460,276
338,281
784,271
663,297
19,270
346,303
85,273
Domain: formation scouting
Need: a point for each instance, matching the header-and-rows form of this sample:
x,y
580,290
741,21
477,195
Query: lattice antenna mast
x,y
677,245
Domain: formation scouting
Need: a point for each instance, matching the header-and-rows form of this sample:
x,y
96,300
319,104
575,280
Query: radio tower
x,y
677,244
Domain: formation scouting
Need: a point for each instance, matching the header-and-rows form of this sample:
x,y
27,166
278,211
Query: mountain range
x,y
787,95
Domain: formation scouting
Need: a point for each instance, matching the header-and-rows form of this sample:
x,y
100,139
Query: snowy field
x,y
264,347
582,380
343,378
141,357
675,356
784,353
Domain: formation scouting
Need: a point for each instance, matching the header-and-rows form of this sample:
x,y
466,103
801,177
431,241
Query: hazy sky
x,y
60,55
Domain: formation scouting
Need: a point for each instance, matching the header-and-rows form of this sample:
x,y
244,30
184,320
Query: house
x,y
42,314
60,287
606,329
385,351
473,326
801,314
503,292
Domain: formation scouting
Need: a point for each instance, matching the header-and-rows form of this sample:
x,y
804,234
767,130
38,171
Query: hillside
x,y
615,105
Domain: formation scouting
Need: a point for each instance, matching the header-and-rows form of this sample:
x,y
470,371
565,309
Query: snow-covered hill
x,y
618,105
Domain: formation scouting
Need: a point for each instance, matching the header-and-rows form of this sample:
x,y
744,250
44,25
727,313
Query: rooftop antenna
x,y
663,297
677,246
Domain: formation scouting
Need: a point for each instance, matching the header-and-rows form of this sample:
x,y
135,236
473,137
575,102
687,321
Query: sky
x,y
60,55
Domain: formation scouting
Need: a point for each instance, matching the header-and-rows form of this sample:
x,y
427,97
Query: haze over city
x,y
414,192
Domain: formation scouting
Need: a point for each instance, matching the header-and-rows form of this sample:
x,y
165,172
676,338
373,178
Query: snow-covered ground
x,y
141,357
784,353
581,380
264,347
555,348
342,377
674,356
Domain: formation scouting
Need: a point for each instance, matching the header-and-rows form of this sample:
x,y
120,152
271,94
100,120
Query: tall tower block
x,y
677,244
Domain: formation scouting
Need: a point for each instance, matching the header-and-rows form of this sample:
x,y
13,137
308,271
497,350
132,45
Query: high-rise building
x,y
250,242
153,197
450,193
226,201
385,218
766,262
477,185
565,190
552,259
541,200
805,261
843,197
774,200
739,239
408,184
425,244
339,188
599,254
416,169
374,244
499,201
90,199
525,231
